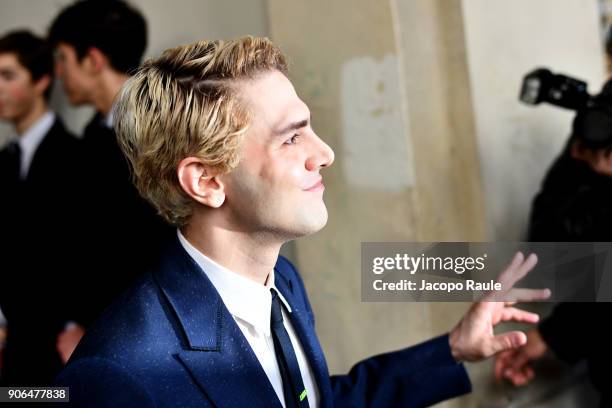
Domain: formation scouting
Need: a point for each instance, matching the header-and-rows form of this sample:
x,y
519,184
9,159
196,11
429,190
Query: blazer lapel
x,y
232,376
45,156
307,335
217,354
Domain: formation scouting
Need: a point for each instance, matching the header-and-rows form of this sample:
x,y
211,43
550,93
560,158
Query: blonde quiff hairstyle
x,y
186,103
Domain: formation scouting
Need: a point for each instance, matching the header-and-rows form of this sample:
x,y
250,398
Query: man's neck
x,y
23,123
240,252
109,85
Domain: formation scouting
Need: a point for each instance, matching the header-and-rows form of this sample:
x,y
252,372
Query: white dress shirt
x,y
31,139
249,303
109,120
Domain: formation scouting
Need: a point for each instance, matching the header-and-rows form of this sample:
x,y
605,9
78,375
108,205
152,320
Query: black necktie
x,y
293,387
13,160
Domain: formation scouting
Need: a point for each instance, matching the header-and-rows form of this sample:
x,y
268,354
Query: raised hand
x,y
473,338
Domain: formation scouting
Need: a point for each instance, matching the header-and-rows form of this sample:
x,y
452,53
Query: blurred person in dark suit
x,y
36,231
97,44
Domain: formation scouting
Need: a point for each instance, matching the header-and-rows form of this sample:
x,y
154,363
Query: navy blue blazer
x,y
171,342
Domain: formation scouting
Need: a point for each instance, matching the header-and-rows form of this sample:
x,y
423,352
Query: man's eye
x,y
7,76
293,139
58,55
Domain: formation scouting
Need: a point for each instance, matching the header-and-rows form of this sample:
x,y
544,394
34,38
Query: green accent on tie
x,y
302,395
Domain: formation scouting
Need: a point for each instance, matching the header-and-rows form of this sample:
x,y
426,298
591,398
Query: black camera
x,y
593,121
541,85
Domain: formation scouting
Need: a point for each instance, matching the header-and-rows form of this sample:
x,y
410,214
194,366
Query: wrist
x,y
453,340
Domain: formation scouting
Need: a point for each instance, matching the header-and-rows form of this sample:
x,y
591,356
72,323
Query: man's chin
x,y
75,99
303,222
76,102
315,223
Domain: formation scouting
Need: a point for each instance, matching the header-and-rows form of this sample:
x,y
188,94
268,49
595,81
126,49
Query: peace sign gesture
x,y
473,338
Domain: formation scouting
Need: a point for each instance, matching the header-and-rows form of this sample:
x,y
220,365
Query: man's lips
x,y
316,186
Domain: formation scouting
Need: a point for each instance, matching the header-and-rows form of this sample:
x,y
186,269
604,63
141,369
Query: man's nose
x,y
321,156
59,71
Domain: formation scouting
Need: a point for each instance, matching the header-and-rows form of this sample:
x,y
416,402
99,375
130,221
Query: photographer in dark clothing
x,y
574,205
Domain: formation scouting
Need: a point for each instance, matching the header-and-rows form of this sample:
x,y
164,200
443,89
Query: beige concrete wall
x,y
320,46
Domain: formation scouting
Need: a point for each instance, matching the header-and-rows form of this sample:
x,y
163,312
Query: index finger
x,y
501,362
517,270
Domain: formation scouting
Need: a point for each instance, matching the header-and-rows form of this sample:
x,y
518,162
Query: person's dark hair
x,y
32,52
592,129
112,26
592,126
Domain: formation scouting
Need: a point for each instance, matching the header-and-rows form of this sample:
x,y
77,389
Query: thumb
x,y
508,341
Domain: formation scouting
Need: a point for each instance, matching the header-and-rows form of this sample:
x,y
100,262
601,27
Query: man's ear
x,y
201,182
42,84
603,163
577,151
94,60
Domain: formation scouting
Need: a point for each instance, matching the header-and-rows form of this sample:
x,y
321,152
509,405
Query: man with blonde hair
x,y
222,146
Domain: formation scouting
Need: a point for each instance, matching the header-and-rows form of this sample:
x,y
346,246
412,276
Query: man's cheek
x,y
17,96
266,174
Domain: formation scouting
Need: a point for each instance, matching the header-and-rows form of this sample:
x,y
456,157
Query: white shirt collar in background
x,y
32,138
109,119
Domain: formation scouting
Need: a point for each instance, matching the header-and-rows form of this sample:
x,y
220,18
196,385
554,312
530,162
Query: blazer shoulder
x,y
133,319
58,142
59,131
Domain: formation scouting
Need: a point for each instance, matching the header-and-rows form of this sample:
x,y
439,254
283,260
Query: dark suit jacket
x,y
171,342
120,232
36,272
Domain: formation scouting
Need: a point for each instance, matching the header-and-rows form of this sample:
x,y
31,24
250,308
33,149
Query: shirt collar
x,y
31,139
245,299
109,119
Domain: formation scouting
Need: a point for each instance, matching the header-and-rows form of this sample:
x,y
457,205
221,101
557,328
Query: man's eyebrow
x,y
293,126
